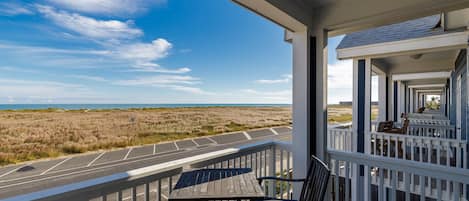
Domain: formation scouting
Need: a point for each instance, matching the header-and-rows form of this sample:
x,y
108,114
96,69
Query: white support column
x,y
361,119
411,101
400,99
300,137
309,101
382,97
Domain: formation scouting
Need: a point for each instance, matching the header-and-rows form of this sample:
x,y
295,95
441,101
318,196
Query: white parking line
x,y
196,144
127,155
215,142
93,169
99,156
14,170
154,148
273,131
175,144
60,163
247,135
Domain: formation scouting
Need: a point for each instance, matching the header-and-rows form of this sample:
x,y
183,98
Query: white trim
x,y
427,86
432,43
419,76
430,90
272,13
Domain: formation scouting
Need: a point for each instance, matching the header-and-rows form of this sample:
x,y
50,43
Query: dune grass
x,y
33,134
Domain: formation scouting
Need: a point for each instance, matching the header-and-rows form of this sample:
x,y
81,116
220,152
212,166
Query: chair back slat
x,y
316,182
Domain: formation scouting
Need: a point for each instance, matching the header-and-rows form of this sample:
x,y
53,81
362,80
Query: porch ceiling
x,y
419,62
345,16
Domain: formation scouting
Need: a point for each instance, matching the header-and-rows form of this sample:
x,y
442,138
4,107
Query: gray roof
x,y
417,28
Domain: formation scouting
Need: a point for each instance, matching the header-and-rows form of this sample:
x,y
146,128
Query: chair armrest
x,y
260,179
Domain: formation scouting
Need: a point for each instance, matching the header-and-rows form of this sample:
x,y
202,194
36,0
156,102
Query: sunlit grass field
x,y
33,134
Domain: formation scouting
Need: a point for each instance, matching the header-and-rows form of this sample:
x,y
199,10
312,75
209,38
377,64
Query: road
x,y
40,175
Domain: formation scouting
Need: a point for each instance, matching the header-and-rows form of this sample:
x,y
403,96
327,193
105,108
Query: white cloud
x,y
159,80
193,90
340,75
283,96
174,82
87,77
108,30
155,50
16,69
108,7
286,78
20,90
12,9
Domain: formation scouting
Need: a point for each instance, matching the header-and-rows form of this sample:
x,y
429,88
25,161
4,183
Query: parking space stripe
x,y
196,144
99,156
59,163
273,131
176,144
14,170
247,135
212,140
127,155
154,148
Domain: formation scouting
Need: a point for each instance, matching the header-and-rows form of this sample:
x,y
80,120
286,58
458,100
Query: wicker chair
x,y
314,185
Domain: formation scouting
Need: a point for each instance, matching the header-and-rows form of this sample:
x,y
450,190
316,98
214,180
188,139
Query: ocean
x,y
124,106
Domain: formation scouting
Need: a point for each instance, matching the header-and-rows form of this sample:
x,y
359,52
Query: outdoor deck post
x,y
361,115
301,94
309,100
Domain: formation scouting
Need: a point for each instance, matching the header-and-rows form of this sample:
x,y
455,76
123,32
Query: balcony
x,y
431,166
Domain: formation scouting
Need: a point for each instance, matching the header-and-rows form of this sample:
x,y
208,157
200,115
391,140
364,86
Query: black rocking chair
x,y
314,185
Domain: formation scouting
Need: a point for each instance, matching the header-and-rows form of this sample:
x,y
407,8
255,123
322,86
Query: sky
x,y
148,51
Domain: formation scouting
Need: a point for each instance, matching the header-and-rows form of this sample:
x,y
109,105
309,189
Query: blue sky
x,y
146,51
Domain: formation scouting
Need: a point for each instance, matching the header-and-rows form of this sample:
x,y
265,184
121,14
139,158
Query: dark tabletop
x,y
217,184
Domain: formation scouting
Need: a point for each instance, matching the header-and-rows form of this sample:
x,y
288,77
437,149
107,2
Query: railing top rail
x,y
416,137
140,173
414,167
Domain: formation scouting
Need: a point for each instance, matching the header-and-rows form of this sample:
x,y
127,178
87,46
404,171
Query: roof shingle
x,y
417,28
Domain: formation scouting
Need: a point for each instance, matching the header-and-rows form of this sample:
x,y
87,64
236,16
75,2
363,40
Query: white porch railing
x,y
439,131
426,144
385,178
155,182
439,151
427,116
339,139
437,122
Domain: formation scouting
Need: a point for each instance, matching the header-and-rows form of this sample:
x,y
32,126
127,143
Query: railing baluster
x,y
159,194
438,189
381,185
119,195
456,193
134,193
407,185
336,179
147,192
422,187
347,185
